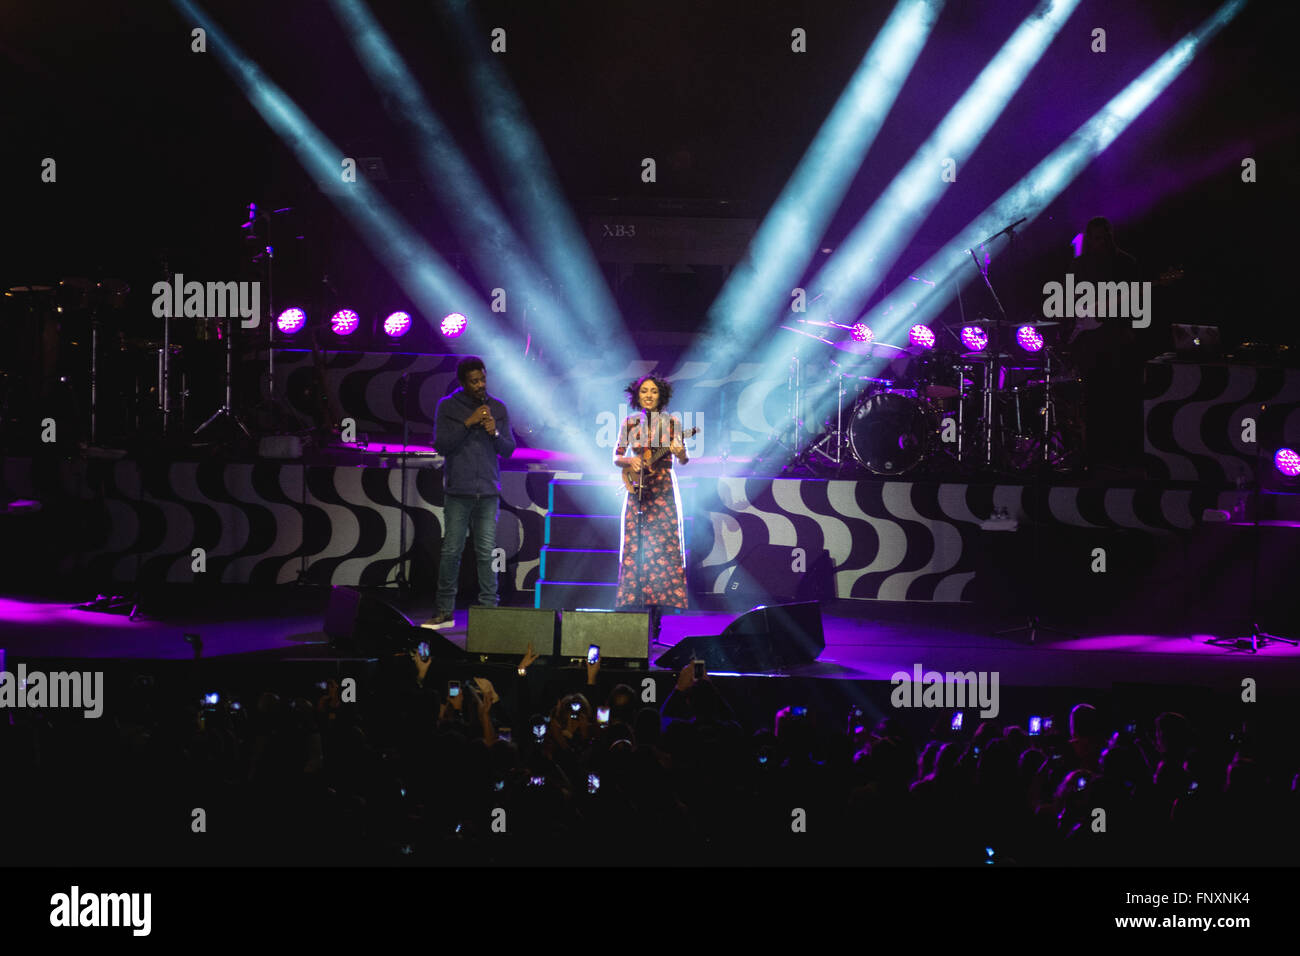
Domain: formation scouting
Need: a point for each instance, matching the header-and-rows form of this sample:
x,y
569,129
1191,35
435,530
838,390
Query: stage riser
x,y
123,521
1193,419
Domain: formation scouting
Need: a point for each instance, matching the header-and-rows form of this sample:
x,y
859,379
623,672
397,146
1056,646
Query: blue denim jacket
x,y
472,467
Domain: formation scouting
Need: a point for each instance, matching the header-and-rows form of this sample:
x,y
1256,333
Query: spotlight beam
x,y
874,245
862,259
478,221
419,270
787,239
1032,193
531,187
1041,185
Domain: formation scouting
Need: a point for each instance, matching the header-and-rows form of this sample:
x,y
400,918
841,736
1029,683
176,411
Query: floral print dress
x,y
651,554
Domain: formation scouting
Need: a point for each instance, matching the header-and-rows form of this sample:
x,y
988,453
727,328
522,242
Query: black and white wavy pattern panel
x,y
1194,415
265,523
906,541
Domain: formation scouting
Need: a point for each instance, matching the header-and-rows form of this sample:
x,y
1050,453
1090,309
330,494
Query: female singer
x,y
651,554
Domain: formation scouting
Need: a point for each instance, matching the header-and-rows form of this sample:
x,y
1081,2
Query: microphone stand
x,y
1033,623
1257,637
401,580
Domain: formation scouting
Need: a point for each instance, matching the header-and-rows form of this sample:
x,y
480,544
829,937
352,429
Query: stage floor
x,y
864,640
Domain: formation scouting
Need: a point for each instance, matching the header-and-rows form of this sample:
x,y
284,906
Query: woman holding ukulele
x,y
652,549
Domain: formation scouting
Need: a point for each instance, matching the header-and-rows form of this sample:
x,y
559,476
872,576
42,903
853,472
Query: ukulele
x,y
634,483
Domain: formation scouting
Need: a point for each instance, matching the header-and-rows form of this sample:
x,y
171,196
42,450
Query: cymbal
x,y
809,334
30,288
863,350
986,356
825,325
869,349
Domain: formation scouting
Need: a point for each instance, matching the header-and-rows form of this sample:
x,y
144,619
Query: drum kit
x,y
926,409
83,358
111,375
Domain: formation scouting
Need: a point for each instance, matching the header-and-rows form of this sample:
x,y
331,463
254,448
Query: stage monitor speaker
x,y
361,624
763,640
772,574
506,632
622,635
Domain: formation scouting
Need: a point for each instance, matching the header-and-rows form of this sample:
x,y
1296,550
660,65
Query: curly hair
x,y
665,391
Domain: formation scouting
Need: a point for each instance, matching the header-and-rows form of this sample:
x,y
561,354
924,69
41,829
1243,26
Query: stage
x,y
865,641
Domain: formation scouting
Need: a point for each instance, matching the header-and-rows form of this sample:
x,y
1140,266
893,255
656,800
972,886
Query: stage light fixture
x,y
397,325
454,325
921,337
1287,462
861,332
974,338
291,320
344,322
1029,338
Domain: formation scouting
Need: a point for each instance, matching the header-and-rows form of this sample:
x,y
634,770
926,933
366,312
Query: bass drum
x,y
890,434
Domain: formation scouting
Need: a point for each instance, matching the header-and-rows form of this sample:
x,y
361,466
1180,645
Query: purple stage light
x,y
921,336
454,324
291,321
1029,338
974,338
861,332
1287,461
344,322
397,325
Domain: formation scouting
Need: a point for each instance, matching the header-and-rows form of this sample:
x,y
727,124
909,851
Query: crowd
x,y
572,767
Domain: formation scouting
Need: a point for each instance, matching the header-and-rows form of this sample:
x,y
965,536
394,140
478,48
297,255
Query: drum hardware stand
x,y
833,439
1049,410
165,361
96,300
94,374
794,386
266,253
992,388
962,394
1256,638
227,410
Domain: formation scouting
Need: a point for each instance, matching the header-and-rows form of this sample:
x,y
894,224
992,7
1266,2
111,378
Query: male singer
x,y
471,429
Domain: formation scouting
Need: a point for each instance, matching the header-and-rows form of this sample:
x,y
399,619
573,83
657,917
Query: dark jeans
x,y
462,514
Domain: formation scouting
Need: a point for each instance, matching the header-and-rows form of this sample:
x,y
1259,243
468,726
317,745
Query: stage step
x,y
570,594
566,564
586,497
579,531
588,532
